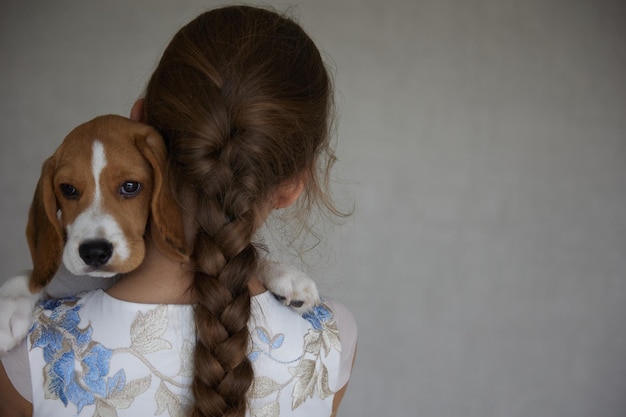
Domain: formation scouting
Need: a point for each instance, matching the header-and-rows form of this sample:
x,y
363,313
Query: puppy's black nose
x,y
95,252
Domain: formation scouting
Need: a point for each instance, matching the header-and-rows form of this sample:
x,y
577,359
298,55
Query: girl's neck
x,y
158,280
161,280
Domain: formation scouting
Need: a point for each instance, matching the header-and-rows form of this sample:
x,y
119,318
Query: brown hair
x,y
243,99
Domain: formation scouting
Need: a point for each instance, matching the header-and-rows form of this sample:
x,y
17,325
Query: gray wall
x,y
484,146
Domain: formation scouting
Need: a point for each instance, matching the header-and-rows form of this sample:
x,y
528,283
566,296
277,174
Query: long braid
x,y
221,316
242,97
226,259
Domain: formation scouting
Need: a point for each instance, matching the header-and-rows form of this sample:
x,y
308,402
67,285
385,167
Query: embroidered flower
x,y
263,343
75,379
309,375
60,318
76,367
320,315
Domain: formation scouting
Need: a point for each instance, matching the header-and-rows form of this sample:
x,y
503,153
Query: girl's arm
x,y
337,399
339,394
12,404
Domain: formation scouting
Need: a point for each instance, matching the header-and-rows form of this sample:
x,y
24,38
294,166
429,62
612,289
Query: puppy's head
x,y
97,196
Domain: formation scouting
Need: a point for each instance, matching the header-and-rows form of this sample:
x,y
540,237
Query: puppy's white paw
x,y
290,286
16,310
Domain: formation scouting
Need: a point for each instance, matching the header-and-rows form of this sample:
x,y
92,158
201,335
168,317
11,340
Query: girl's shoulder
x,y
300,360
266,310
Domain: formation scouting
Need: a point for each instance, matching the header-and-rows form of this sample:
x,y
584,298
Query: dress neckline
x,y
106,295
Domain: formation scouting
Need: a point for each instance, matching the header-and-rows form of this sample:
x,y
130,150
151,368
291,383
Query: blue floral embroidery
x,y
309,373
321,314
267,345
63,320
254,355
76,367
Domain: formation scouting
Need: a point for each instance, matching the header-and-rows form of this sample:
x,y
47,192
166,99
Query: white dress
x,y
94,355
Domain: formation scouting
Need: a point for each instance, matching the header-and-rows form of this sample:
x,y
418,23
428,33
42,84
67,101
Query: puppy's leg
x,y
17,303
290,286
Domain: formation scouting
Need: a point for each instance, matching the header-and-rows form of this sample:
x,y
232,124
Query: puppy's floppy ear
x,y
166,222
44,232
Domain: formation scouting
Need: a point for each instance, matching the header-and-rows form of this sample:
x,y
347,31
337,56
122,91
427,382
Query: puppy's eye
x,y
69,191
130,189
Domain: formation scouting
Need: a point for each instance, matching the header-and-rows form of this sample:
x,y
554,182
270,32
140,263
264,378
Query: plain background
x,y
483,144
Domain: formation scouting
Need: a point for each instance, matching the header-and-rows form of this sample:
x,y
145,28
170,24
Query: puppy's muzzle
x,y
95,253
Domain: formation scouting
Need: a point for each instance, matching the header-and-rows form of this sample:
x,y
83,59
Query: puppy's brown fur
x,y
134,152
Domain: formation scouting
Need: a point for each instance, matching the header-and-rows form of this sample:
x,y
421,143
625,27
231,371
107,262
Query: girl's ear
x,y
288,192
136,113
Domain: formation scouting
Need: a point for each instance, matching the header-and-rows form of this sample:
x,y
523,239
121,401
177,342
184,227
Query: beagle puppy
x,y
98,196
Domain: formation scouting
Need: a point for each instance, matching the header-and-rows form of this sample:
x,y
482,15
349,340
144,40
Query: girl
x,y
243,100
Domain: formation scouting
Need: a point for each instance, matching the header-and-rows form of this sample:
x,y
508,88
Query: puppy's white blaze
x,y
94,223
98,162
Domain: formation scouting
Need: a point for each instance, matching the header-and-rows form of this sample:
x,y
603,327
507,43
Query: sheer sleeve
x,y
348,335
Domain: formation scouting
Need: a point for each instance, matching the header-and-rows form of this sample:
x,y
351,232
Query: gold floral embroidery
x,y
309,376
147,330
77,368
